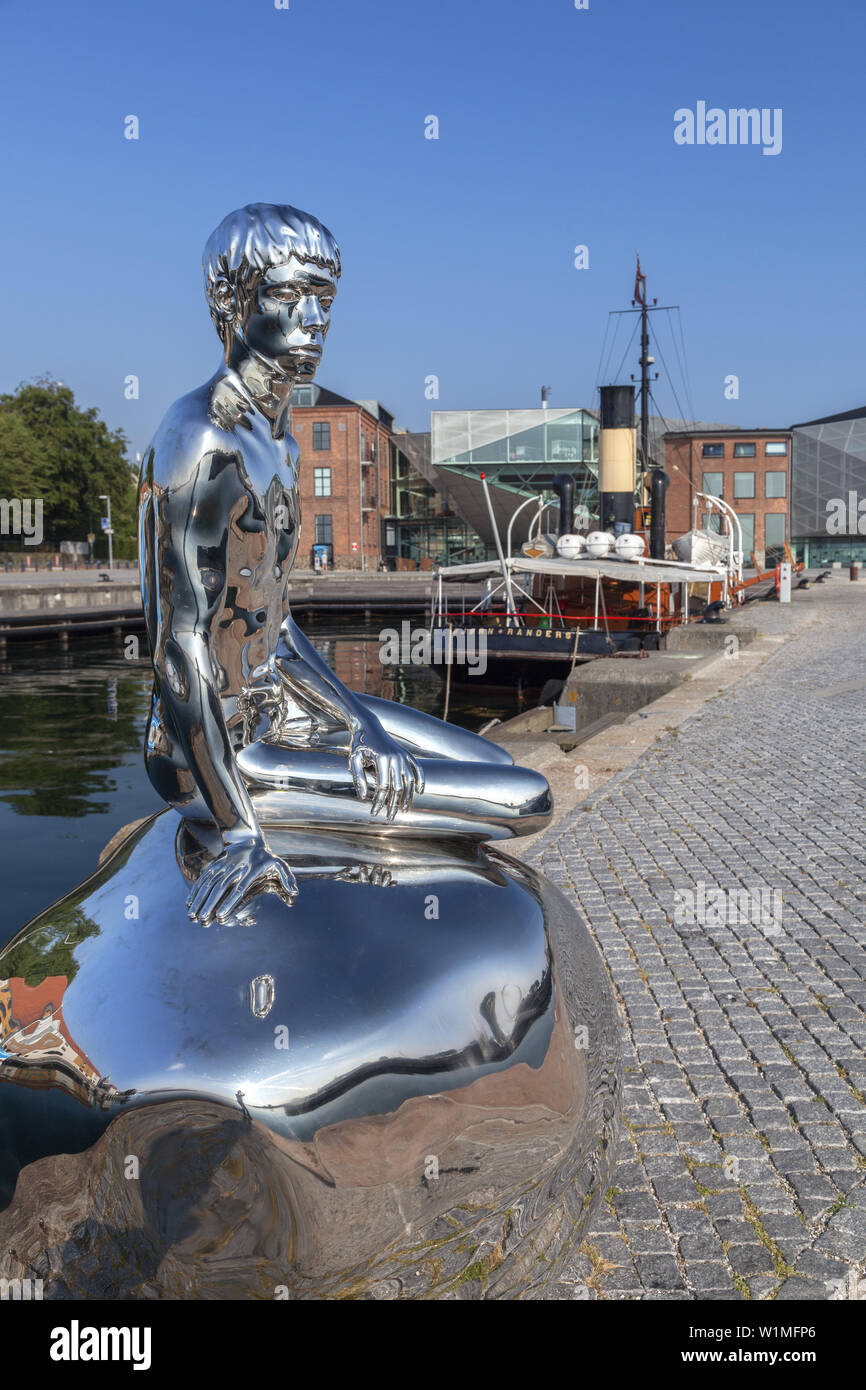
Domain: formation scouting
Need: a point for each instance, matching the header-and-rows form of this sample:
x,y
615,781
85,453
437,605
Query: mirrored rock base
x,y
405,1085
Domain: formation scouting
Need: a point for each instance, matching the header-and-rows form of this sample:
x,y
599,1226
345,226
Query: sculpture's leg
x,y
314,788
431,737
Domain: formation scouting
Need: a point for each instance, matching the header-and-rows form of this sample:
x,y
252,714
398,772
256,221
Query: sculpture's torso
x,y
219,499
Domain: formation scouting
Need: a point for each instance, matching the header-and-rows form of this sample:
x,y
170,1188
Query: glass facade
x,y
828,490
521,450
423,527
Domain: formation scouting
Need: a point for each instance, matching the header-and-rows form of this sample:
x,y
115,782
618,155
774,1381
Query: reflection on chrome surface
x,y
386,1076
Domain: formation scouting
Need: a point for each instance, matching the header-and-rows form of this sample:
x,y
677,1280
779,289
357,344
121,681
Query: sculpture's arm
x,y
190,538
396,775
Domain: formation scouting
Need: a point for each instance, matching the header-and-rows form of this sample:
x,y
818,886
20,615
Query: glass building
x,y
828,489
422,528
520,452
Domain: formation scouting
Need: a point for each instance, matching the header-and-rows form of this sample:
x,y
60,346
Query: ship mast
x,y
645,362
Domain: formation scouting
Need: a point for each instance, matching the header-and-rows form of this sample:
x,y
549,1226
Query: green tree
x,y
52,449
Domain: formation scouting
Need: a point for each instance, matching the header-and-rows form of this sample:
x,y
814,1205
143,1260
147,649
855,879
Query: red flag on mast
x,y
639,287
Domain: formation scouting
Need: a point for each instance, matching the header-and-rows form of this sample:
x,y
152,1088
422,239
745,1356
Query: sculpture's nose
x,y
311,314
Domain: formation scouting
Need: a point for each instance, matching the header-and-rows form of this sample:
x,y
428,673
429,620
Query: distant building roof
x,y
322,396
858,414
693,430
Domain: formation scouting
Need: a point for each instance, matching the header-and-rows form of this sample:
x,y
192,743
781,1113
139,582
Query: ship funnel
x,y
617,459
658,480
563,486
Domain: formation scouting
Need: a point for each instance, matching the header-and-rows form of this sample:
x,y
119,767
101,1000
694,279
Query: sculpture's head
x,y
271,275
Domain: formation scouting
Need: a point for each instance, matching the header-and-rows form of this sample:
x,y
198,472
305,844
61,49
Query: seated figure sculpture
x,y
250,728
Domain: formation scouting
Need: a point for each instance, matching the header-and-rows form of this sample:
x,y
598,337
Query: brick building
x,y
749,469
345,475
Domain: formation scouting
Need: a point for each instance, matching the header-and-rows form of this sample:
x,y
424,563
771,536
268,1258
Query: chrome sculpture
x,y
389,1067
250,728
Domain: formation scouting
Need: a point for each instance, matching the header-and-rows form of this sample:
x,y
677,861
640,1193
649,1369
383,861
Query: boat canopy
x,y
641,571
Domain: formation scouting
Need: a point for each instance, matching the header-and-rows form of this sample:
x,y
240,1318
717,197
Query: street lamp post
x,y
103,497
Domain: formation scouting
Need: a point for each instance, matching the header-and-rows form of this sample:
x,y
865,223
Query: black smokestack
x,y
616,458
563,486
658,487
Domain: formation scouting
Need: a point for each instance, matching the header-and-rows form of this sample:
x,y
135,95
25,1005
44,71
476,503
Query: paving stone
x,y
750,1259
701,1247
659,1272
689,1221
709,1275
635,1206
795,1289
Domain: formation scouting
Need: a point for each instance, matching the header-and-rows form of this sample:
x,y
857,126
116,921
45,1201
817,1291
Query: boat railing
x,y
735,553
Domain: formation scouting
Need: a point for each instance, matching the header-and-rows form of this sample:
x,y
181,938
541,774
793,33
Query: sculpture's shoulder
x,y
196,429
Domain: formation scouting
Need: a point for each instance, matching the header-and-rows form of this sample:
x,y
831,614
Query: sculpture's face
x,y
290,316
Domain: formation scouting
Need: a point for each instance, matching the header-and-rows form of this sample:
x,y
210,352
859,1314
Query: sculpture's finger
x,y
356,767
287,884
382,773
200,890
418,774
233,900
220,890
406,786
395,785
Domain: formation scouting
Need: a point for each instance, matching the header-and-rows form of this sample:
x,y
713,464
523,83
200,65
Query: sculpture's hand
x,y
244,869
396,775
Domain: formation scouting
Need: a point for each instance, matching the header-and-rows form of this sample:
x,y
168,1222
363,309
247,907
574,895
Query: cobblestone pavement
x,y
742,1166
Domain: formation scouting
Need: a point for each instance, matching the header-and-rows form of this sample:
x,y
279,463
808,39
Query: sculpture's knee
x,y
531,803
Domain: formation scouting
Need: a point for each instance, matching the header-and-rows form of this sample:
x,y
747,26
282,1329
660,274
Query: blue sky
x,y
555,129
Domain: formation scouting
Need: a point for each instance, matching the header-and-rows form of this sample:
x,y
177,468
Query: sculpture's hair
x,y
251,240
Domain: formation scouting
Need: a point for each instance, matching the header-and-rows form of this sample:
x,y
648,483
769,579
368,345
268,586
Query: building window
x,y
744,485
774,536
302,395
744,451
748,524
321,435
321,482
775,485
714,484
777,447
324,529
713,451
711,521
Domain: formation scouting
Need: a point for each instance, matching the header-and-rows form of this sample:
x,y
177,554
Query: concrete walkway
x,y
723,874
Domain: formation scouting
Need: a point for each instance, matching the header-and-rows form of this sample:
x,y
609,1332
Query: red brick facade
x,y
688,457
355,461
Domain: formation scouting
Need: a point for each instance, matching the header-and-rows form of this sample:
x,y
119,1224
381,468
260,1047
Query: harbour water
x,y
71,732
